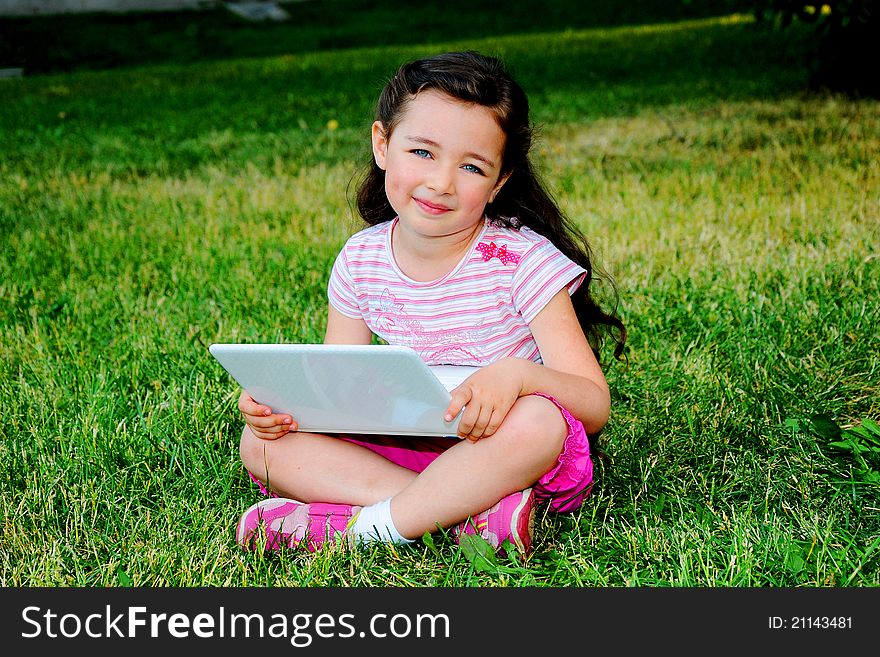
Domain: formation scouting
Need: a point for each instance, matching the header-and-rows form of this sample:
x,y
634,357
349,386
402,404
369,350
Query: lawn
x,y
152,206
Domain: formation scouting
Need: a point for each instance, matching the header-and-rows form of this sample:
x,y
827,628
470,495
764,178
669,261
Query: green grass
x,y
71,41
149,211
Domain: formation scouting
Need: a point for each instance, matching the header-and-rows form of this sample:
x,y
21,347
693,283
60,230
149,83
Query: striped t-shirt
x,y
476,314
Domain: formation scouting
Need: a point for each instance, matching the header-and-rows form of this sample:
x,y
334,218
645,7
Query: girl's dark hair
x,y
474,78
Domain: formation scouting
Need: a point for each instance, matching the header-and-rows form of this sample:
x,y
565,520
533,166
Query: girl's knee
x,y
535,419
253,452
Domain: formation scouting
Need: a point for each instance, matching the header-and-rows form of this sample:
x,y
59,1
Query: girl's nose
x,y
440,180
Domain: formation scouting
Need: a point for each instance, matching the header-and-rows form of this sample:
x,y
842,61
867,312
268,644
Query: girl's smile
x,y
431,208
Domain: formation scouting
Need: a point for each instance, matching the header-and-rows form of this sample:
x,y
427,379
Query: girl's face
x,y
442,163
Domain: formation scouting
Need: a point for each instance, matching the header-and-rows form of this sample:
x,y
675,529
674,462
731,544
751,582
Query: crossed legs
x,y
463,481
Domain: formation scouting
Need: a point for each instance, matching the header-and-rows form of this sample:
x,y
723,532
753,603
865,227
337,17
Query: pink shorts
x,y
564,487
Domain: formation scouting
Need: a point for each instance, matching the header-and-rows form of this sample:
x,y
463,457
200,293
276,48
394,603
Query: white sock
x,y
373,523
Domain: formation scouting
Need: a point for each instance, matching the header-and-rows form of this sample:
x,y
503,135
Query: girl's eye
x,y
420,152
473,169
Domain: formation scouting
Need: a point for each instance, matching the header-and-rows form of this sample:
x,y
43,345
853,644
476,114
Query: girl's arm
x,y
345,330
570,373
270,426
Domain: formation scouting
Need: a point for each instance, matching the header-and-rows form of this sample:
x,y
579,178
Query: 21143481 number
x,y
810,623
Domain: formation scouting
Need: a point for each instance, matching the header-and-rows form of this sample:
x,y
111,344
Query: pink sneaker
x,y
291,524
512,518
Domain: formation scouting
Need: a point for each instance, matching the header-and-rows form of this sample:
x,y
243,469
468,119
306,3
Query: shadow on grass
x,y
177,118
51,44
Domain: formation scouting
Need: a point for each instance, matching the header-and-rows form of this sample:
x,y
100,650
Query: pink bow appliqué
x,y
490,251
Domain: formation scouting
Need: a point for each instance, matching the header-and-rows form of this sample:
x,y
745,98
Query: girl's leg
x,y
465,480
470,477
315,468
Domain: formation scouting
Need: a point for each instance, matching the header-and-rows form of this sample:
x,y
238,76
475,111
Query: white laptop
x,y
369,389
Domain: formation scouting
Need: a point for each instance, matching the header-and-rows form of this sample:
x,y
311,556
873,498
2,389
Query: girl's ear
x,y
380,144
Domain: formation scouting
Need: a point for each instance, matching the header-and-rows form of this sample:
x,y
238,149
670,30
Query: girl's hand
x,y
488,395
261,421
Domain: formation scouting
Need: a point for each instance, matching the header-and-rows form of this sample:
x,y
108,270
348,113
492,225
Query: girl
x,y
468,261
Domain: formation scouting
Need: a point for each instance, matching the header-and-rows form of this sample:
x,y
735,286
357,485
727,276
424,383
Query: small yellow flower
x,y
62,115
826,10
332,124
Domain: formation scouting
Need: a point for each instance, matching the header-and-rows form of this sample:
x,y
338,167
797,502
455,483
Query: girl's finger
x,y
493,424
460,397
468,419
249,406
263,422
271,433
482,422
263,435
